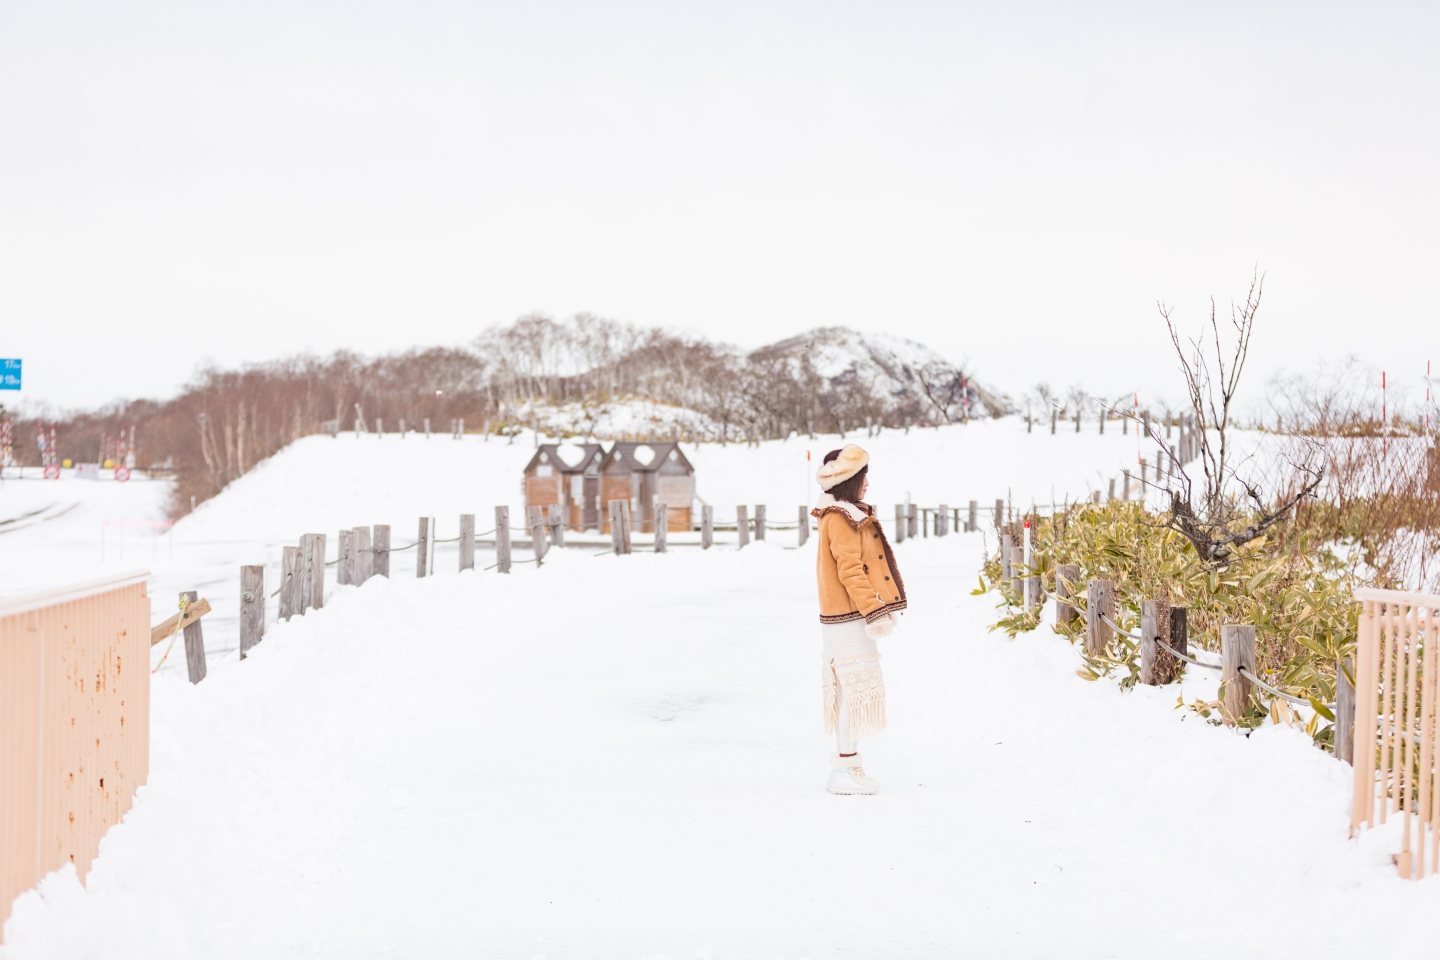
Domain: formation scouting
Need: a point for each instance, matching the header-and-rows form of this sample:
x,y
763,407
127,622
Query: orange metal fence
x,y
1396,770
74,723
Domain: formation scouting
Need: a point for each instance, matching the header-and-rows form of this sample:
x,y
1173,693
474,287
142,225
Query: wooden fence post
x,y
1111,495
901,523
315,569
759,521
345,567
662,525
1017,564
1127,484
972,517
364,556
1035,585
557,525
467,541
912,513
292,570
1099,599
1054,419
422,545
307,572
381,548
1345,711
427,428
195,638
617,533
999,514
1237,650
1180,631
535,521
707,526
742,524
252,615
942,520
502,539
803,530
1067,578
1157,666
625,524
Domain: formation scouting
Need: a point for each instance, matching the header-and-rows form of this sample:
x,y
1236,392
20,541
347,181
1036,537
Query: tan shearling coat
x,y
854,566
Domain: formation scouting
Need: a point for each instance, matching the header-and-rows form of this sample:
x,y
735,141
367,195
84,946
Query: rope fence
x,y
1241,670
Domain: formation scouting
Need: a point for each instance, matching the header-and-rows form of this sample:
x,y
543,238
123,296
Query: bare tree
x,y
1214,518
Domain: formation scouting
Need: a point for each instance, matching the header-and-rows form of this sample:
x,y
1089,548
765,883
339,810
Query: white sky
x,y
1012,184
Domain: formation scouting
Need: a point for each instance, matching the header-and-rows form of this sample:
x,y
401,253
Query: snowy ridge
x,y
851,363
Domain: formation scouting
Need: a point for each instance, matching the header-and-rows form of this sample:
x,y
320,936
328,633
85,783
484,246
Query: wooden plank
x,y
1067,578
291,573
381,547
1157,666
535,523
742,524
364,555
626,527
1180,631
195,641
911,514
901,523
1237,650
345,567
502,539
972,517
557,525
759,521
942,520
252,607
192,613
1100,599
315,567
662,525
467,541
617,529
1367,640
802,530
1345,711
707,527
422,537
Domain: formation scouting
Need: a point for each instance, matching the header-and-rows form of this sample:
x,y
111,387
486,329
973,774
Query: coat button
x,y
877,536
887,578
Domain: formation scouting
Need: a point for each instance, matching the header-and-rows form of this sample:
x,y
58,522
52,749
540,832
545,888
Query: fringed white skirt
x,y
850,661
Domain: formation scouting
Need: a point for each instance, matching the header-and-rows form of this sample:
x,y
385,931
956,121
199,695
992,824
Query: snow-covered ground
x,y
322,484
621,757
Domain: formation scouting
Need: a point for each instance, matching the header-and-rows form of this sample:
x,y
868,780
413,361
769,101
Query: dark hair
x,y
848,490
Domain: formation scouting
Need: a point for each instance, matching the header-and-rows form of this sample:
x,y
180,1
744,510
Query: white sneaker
x,y
847,776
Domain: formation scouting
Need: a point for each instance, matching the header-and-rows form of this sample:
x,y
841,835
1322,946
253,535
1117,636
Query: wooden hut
x,y
550,478
645,473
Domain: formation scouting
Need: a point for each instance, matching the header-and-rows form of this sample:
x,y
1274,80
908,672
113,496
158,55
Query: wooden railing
x,y
1396,769
74,723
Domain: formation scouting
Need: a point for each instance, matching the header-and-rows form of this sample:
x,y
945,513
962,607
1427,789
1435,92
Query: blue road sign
x,y
9,374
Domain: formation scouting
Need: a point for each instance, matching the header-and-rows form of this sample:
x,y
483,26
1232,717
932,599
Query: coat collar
x,y
856,513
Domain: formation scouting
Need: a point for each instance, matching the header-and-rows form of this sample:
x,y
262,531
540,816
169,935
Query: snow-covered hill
x,y
912,376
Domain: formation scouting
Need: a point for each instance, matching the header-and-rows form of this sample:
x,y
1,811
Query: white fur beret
x,y
843,467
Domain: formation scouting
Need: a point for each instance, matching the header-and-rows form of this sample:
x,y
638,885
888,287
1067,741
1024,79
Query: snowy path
x,y
620,758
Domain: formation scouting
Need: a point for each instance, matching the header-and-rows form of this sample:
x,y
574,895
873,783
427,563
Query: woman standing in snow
x,y
861,596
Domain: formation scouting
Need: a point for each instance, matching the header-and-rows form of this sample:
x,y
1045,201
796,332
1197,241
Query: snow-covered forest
x,y
586,375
